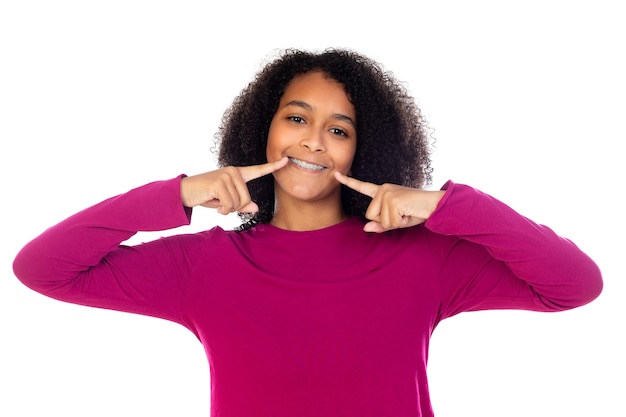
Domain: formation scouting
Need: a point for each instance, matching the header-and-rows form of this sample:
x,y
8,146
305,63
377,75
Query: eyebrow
x,y
307,106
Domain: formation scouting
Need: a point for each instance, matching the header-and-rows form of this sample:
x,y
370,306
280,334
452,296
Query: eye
x,y
337,131
296,119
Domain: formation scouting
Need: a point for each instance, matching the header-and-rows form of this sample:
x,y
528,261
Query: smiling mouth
x,y
306,165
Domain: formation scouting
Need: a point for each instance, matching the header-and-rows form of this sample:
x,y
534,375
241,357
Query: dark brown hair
x,y
392,136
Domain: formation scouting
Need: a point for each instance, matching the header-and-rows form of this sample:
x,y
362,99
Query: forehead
x,y
318,88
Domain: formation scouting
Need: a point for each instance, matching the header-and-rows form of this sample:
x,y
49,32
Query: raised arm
x,y
556,274
81,259
549,272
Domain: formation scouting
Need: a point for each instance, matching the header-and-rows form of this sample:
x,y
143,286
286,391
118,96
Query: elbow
x,y
590,283
577,288
26,267
594,285
586,289
585,281
22,269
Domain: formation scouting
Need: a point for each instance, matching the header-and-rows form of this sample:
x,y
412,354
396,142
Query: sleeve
x,y
82,260
503,260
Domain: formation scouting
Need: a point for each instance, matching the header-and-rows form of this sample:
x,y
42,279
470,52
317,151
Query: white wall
x,y
527,102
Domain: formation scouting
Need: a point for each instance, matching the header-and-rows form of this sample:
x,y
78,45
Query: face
x,y
315,127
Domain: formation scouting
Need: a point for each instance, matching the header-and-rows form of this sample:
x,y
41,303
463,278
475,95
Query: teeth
x,y
306,164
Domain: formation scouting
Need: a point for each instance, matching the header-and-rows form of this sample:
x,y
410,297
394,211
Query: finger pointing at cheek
x,y
249,173
225,189
370,190
362,187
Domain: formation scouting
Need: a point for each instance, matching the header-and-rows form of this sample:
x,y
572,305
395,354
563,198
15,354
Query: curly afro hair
x,y
392,139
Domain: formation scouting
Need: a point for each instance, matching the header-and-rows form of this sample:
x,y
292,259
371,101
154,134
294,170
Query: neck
x,y
307,216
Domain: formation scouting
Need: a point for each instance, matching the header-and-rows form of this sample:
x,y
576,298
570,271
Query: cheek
x,y
349,155
273,144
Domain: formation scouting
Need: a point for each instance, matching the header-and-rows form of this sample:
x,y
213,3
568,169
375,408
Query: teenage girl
x,y
323,302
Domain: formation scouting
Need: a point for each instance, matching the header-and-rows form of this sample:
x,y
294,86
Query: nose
x,y
314,140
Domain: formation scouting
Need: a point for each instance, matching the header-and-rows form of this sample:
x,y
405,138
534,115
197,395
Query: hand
x,y
225,189
393,206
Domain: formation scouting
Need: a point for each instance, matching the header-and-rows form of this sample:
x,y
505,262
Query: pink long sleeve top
x,y
333,322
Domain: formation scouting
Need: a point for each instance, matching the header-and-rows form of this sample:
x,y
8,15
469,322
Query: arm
x,y
80,260
543,270
503,260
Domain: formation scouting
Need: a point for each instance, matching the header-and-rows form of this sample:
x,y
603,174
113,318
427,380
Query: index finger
x,y
249,173
367,188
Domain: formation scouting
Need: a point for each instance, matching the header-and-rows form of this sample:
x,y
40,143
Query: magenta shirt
x,y
333,322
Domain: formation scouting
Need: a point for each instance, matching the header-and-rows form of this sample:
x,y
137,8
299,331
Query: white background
x,y
527,103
